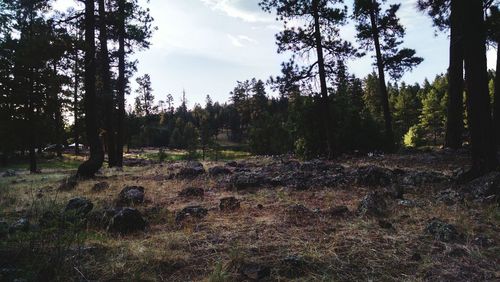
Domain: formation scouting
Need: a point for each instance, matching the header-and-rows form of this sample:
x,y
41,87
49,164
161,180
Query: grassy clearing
x,y
180,155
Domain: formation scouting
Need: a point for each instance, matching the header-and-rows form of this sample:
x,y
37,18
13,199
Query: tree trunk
x,y
121,83
322,80
94,163
478,99
58,119
455,114
496,109
75,105
32,125
384,96
106,86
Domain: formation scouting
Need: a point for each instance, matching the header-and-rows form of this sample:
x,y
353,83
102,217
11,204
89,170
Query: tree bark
x,y
455,113
121,83
75,105
384,96
478,99
322,80
106,86
496,95
94,163
32,126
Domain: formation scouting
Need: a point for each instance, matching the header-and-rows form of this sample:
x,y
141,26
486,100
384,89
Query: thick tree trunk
x,y
325,103
496,105
94,163
58,119
32,125
106,87
455,113
478,99
384,96
121,83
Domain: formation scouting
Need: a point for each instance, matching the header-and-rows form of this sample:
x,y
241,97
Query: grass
x,y
347,248
180,155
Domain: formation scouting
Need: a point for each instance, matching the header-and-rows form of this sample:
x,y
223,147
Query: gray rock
x,y
9,173
372,204
191,192
245,180
449,197
229,204
485,186
442,231
417,178
190,170
131,195
196,212
79,207
218,170
373,176
127,220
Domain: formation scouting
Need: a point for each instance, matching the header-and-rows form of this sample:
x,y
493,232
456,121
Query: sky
x,y
203,47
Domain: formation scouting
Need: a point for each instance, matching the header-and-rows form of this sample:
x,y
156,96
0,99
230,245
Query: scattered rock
x,y
385,224
442,231
337,211
372,204
131,195
218,170
245,180
373,176
190,170
485,186
9,173
191,192
21,224
100,186
407,203
254,271
127,220
197,212
79,207
449,197
229,204
417,178
69,183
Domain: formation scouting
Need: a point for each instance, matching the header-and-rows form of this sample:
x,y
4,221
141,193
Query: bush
x,y
413,138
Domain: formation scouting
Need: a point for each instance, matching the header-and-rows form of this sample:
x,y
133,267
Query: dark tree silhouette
x,y
493,25
94,163
384,33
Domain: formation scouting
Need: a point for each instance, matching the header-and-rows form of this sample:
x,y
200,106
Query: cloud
x,y
238,41
246,10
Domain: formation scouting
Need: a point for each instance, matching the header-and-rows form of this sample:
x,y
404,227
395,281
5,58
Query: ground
x,y
284,230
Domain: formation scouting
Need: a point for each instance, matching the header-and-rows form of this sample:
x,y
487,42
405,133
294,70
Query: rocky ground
x,y
357,218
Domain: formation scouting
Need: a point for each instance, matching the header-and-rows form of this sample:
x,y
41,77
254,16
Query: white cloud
x,y
238,41
230,8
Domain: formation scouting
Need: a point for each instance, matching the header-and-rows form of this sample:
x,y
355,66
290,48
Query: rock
x,y
21,224
260,206
372,204
337,211
131,195
482,240
100,186
485,186
191,192
254,271
293,179
442,231
385,224
229,204
449,197
190,170
417,178
232,164
69,183
218,170
197,212
407,203
245,180
9,173
373,176
127,220
79,207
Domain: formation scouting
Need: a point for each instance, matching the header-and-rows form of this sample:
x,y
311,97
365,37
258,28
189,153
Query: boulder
x,y
417,178
485,186
191,192
373,176
131,195
337,211
196,212
68,183
190,170
9,173
100,186
229,204
448,196
245,180
442,231
79,207
218,170
127,220
373,204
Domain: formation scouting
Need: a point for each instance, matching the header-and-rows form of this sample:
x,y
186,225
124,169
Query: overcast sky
x,y
205,46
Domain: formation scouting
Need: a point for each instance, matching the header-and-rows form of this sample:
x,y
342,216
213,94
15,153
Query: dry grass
x,y
348,248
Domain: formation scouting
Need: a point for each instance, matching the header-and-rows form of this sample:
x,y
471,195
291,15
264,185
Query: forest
x,y
314,174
